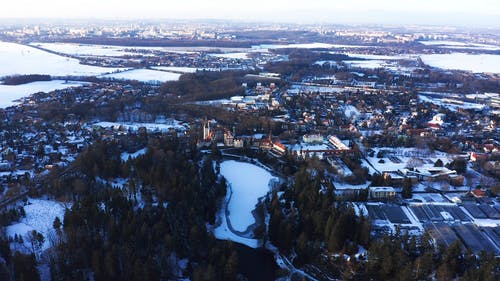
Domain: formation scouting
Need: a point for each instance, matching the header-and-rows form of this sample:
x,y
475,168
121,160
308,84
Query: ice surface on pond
x,y
8,93
248,182
20,59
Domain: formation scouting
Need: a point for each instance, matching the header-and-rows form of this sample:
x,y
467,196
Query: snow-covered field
x,y
306,46
467,62
180,69
145,75
85,49
8,94
371,64
248,183
379,57
152,127
450,106
21,59
461,45
40,216
231,55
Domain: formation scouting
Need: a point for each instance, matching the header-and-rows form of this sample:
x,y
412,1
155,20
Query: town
x,y
386,126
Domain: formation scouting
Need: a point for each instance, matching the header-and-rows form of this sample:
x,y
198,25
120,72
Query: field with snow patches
x,y
40,215
467,62
248,183
125,156
8,93
21,59
145,75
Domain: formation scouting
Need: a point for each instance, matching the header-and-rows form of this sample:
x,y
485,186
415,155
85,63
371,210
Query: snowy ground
x,y
145,75
248,183
8,94
299,88
21,59
350,111
399,158
125,156
152,127
461,61
450,106
40,215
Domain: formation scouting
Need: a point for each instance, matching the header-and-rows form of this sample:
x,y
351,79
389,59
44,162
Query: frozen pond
x,y
248,183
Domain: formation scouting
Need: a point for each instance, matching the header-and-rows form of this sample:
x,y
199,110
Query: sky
x,y
447,12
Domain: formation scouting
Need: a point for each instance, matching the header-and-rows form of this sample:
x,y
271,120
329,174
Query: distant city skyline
x,y
480,13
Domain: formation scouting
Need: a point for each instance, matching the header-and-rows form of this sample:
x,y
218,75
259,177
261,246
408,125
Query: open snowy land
x,y
145,75
9,94
17,59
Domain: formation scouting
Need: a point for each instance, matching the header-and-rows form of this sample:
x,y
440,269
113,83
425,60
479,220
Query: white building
x,y
382,192
313,138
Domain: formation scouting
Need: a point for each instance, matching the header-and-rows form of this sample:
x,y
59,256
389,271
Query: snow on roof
x,y
382,189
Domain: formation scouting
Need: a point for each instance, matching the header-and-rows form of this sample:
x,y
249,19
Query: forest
x,y
24,79
145,230
319,231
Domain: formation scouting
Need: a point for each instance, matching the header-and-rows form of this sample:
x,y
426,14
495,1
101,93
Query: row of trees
x,y
24,79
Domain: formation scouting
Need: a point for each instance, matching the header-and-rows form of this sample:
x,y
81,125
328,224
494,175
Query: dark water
x,y
256,264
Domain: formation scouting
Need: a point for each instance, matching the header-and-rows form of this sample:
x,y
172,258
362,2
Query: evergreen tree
x,y
407,188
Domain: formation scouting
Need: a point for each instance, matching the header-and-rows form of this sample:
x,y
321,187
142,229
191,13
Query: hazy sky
x,y
455,12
